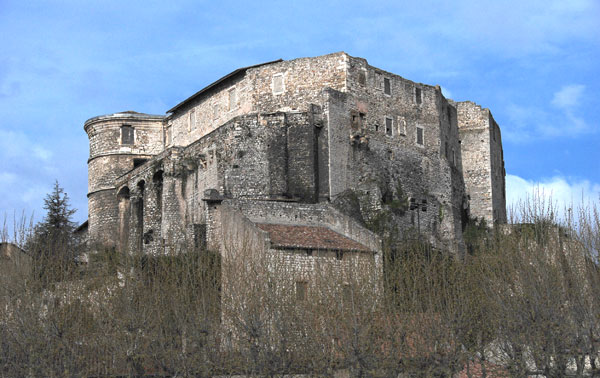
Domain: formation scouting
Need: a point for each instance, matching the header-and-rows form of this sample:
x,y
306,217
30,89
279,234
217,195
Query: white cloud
x,y
568,96
560,193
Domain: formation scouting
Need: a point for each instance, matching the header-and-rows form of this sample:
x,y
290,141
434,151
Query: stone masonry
x,y
308,147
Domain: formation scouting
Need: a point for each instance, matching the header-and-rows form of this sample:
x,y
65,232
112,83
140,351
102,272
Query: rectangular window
x,y
278,84
301,291
387,87
192,120
401,126
138,162
168,135
420,136
232,99
127,134
200,236
418,98
362,78
215,111
388,125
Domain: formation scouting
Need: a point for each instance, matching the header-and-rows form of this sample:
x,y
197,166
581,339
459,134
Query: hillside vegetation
x,y
523,300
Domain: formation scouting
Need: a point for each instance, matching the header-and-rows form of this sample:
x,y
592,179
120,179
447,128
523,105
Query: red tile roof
x,y
309,237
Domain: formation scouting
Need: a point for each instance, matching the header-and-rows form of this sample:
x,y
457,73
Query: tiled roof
x,y
309,237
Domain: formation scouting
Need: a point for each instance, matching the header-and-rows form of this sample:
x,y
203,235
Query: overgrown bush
x,y
523,302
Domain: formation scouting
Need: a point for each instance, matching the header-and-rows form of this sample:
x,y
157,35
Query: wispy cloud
x,y
568,96
559,119
562,193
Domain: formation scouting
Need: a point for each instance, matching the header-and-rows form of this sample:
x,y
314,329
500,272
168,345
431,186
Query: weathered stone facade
x,y
327,142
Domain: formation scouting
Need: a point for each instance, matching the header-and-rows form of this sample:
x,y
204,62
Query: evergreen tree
x,y
52,244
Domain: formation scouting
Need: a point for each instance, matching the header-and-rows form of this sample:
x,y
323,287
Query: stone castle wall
x,y
483,162
330,128
255,91
110,158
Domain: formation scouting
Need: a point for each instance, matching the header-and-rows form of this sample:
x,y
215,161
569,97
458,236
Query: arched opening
x,y
139,212
123,197
157,183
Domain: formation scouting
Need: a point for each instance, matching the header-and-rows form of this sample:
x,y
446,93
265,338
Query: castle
x,y
298,157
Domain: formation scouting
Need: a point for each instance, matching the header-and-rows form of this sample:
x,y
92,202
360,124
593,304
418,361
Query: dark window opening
x,y
358,120
157,182
388,126
362,78
376,127
420,136
138,162
200,236
418,97
387,87
127,134
339,255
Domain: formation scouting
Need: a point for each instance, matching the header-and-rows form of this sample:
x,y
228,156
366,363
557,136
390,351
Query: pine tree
x,y
52,244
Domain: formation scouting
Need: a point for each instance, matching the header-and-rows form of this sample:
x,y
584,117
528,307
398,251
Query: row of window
x,y
387,86
400,129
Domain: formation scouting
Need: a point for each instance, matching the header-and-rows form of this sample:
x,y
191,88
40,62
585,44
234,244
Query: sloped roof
x,y
309,237
221,80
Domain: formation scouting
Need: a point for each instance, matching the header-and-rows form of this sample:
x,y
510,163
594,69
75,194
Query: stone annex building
x,y
301,157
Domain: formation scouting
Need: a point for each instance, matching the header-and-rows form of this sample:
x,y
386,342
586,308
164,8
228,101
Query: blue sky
x,y
534,63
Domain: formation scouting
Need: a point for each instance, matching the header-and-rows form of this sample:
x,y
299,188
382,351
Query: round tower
x,y
119,142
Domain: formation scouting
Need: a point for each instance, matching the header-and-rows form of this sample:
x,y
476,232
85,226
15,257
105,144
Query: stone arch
x,y
157,183
123,199
139,216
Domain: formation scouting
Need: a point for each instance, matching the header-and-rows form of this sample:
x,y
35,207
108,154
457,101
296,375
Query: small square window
x,y
388,125
420,136
278,87
387,86
127,134
232,99
418,95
